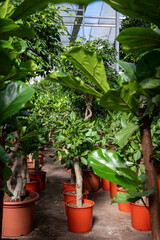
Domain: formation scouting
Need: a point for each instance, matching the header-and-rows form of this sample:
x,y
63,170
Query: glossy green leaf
x,y
7,25
91,65
105,164
29,65
4,157
73,116
7,173
128,73
5,63
137,155
134,145
123,136
146,66
145,39
6,8
5,44
84,161
71,82
122,99
145,193
122,197
13,98
143,9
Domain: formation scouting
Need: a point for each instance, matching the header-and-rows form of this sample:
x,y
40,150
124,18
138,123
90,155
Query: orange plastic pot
x,y
68,187
41,176
124,207
18,216
113,189
91,181
71,196
105,184
33,186
140,217
80,219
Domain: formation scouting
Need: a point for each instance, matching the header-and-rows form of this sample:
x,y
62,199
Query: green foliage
x,y
45,48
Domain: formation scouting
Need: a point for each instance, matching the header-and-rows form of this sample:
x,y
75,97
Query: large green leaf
x,y
91,65
147,10
29,135
122,99
122,137
13,98
5,44
105,164
145,39
122,197
4,157
71,82
129,72
146,66
6,8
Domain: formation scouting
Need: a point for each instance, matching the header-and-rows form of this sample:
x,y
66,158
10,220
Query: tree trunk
x,y
151,175
78,173
73,176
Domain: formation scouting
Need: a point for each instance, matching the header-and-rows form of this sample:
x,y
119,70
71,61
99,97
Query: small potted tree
x,y
74,144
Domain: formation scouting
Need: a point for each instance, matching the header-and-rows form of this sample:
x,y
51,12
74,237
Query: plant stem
x,y
78,173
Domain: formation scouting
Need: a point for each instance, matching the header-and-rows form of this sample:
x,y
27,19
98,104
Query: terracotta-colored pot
x,y
140,217
68,187
39,176
18,216
91,181
105,184
80,219
113,189
71,196
68,170
33,186
124,207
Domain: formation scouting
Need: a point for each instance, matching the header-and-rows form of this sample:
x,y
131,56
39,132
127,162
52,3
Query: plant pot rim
x,y
20,203
138,205
41,172
90,202
67,182
85,192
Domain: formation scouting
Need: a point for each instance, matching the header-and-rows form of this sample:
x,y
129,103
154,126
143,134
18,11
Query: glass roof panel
x,y
98,20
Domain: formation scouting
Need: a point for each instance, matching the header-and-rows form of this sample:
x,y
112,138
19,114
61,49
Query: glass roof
x,y
98,20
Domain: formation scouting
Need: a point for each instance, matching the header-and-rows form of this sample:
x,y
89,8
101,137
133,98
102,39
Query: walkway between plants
x,y
50,221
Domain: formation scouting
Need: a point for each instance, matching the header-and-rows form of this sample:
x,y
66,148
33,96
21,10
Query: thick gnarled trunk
x,y
151,175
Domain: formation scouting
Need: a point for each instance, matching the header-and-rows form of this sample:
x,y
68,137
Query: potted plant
x,y
73,144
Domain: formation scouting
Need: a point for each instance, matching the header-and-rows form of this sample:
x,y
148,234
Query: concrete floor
x,y
50,221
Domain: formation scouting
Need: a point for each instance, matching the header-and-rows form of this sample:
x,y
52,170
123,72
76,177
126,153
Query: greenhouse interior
x,y
80,120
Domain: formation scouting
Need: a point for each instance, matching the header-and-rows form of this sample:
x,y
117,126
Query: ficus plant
x,y
138,92
76,138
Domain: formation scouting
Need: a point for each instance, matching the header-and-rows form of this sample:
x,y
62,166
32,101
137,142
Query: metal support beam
x,y
77,24
117,43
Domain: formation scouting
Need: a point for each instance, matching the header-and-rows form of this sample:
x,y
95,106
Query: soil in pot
x,y
105,185
124,207
80,219
41,176
71,196
140,217
91,181
67,186
18,216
